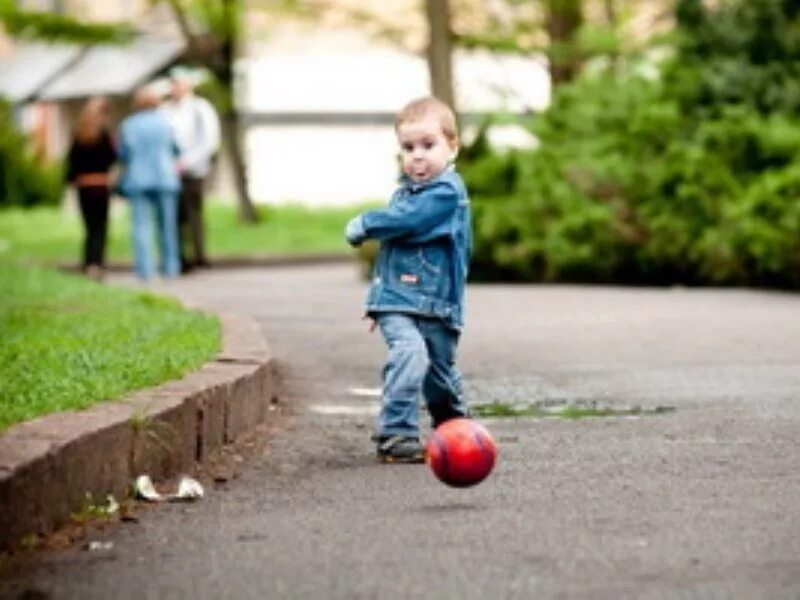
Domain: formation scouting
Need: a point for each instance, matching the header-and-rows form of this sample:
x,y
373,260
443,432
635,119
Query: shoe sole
x,y
399,460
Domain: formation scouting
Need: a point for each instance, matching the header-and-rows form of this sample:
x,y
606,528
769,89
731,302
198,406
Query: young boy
x,y
417,292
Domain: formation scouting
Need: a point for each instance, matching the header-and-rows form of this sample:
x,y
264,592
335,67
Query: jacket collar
x,y
415,186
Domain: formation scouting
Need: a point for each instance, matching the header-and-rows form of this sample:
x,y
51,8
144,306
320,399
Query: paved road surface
x,y
702,502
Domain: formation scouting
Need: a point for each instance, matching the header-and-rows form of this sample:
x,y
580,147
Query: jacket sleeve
x,y
123,144
412,215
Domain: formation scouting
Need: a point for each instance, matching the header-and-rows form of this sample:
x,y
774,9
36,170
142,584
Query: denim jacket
x,y
426,242
148,153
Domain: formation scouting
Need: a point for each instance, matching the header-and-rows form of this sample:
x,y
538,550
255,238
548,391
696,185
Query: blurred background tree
x,y
676,162
563,21
213,31
440,49
44,25
668,155
25,178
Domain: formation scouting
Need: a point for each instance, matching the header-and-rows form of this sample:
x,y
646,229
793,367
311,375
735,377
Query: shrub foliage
x,y
689,176
24,180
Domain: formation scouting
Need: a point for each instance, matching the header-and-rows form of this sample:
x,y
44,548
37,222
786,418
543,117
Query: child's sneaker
x,y
400,449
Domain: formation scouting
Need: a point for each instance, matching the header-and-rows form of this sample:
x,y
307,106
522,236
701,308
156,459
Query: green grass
x,y
55,234
566,411
67,342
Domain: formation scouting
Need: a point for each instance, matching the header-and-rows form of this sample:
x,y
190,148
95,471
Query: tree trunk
x,y
440,50
217,52
564,18
231,129
611,12
231,123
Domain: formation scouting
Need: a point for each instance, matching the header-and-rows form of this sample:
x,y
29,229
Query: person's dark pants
x,y
93,201
191,226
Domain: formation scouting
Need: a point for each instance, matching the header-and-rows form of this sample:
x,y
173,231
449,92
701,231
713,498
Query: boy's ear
x,y
453,153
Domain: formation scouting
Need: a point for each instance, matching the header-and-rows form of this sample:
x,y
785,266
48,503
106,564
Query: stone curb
x,y
50,464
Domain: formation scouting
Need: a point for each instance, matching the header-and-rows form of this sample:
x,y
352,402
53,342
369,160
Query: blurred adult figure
x,y
197,130
150,181
89,161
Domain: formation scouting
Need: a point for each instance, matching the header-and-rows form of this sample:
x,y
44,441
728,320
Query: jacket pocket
x,y
420,269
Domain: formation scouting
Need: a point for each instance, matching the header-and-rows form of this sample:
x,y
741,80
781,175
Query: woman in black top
x,y
90,159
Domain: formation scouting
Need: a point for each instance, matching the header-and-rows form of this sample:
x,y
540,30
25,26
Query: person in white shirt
x,y
197,132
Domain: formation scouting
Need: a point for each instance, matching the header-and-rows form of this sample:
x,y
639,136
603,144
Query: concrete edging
x,y
49,465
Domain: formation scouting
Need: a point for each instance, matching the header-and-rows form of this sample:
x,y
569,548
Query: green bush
x,y
691,177
24,180
744,52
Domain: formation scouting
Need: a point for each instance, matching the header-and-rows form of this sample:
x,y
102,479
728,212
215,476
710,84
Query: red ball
x,y
461,452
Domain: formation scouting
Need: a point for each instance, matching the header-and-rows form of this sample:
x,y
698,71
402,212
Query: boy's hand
x,y
354,232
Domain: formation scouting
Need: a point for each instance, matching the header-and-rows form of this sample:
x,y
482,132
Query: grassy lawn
x,y
67,343
54,234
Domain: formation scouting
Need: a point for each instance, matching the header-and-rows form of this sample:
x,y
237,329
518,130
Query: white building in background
x,y
320,111
318,101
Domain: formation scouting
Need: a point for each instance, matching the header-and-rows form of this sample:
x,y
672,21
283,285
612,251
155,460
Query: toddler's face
x,y
424,149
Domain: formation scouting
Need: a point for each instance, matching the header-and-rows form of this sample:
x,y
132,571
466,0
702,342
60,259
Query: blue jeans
x,y
159,207
421,362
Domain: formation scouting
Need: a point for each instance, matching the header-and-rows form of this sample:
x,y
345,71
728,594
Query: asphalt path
x,y
702,501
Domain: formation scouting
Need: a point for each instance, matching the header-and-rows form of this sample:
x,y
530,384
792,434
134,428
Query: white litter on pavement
x,y
113,506
368,392
96,546
146,490
188,489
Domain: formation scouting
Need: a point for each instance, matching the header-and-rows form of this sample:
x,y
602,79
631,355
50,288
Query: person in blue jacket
x,y
417,292
150,181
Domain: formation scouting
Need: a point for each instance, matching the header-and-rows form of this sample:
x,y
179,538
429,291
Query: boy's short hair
x,y
429,105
